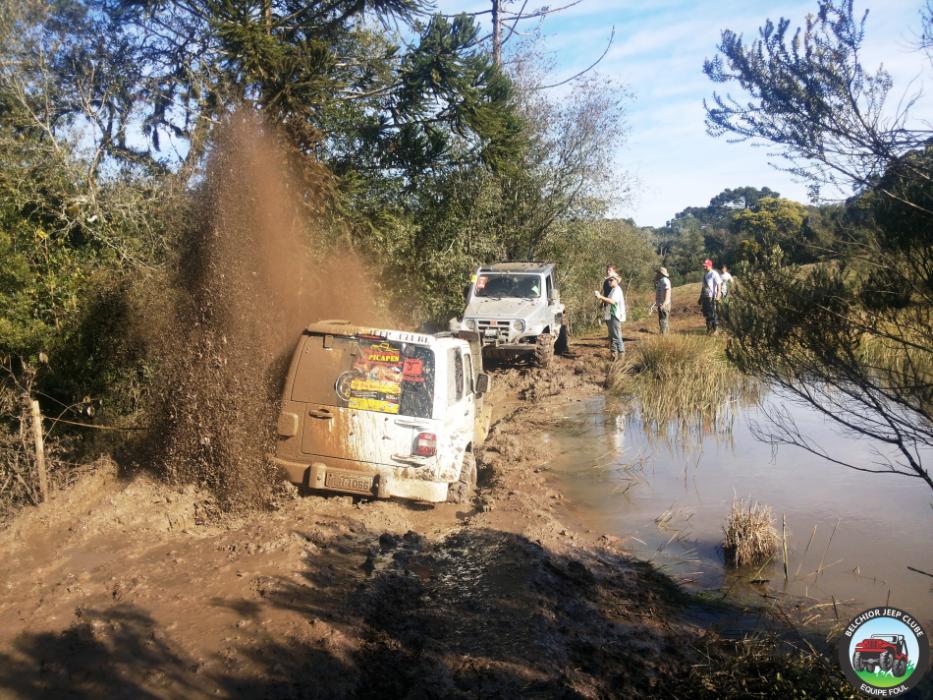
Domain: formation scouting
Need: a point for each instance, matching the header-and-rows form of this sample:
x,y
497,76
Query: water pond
x,y
850,536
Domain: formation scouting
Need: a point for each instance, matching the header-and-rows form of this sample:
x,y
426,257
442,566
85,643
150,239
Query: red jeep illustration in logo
x,y
889,651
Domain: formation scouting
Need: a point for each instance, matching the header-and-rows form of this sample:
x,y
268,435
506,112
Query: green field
x,y
885,679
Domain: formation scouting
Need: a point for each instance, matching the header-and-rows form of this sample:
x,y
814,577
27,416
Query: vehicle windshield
x,y
369,374
508,285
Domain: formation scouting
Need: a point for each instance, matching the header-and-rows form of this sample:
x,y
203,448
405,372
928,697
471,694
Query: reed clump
x,y
749,535
679,376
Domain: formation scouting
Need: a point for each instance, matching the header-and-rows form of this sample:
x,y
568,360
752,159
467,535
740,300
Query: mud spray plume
x,y
247,284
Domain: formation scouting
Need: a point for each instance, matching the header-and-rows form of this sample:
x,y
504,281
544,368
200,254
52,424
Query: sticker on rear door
x,y
376,383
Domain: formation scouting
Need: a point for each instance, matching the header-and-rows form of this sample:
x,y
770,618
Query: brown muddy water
x,y
851,536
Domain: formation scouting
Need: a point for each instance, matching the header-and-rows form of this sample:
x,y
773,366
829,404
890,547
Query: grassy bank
x,y
680,378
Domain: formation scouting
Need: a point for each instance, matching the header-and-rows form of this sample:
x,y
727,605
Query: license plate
x,y
348,482
490,332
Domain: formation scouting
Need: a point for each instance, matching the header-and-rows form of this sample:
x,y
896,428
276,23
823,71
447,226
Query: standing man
x,y
610,272
613,315
726,281
662,299
710,293
607,290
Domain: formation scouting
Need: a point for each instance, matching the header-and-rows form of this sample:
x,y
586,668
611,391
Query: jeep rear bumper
x,y
319,475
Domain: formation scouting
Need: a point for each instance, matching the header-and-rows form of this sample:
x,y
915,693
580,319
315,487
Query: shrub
x,y
678,377
749,535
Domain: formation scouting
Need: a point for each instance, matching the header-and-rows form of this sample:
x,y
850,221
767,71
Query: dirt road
x,y
124,587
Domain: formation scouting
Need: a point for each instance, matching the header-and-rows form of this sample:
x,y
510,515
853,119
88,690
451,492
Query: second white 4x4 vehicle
x,y
515,307
383,413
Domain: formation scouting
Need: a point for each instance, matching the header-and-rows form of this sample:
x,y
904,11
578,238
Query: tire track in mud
x,y
486,611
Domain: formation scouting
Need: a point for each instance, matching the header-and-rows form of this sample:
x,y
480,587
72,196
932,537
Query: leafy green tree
x,y
810,94
584,248
697,233
769,232
346,94
852,337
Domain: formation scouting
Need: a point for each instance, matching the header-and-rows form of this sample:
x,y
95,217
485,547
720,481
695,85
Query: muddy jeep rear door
x,y
363,399
459,419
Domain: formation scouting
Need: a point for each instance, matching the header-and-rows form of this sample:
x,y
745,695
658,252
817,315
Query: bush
x,y
678,377
749,536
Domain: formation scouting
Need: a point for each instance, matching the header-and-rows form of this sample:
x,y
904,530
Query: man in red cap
x,y
710,293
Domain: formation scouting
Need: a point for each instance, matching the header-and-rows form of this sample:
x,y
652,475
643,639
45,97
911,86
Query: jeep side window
x,y
469,374
454,376
550,288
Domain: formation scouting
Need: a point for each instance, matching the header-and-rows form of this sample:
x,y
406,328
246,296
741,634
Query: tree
x,y
584,248
769,232
700,232
529,206
852,337
347,95
810,95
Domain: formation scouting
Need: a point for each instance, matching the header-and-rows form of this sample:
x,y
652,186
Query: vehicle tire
x,y
857,661
544,350
463,490
562,344
900,667
886,660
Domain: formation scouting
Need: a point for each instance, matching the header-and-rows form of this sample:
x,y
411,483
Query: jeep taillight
x,y
426,445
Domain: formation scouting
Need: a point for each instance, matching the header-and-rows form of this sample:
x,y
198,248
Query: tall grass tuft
x,y
749,535
679,377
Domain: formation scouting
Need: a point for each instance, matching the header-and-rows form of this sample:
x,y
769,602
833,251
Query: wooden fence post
x,y
40,450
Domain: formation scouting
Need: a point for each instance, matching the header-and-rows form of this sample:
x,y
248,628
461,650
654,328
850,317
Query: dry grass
x,y
749,535
760,666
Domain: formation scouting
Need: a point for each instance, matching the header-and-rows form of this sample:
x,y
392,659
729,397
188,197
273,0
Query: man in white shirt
x,y
662,298
726,281
614,315
710,294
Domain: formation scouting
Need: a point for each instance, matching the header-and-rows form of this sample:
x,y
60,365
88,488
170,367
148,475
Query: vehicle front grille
x,y
501,330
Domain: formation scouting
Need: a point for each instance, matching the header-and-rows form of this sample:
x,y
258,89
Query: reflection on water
x,y
850,536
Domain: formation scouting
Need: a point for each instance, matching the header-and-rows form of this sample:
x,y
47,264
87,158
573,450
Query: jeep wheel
x,y
462,490
544,350
857,661
900,667
561,346
886,661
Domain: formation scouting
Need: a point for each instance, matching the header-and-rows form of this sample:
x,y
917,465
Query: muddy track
x,y
126,588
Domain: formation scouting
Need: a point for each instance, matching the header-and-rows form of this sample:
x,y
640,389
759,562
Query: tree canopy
x,y
851,336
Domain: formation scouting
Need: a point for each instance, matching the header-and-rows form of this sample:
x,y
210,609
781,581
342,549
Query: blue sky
x,y
658,54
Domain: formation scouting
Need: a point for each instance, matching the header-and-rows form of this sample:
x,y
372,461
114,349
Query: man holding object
x,y
613,315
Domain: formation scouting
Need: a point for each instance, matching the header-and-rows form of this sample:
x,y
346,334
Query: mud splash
x,y
251,276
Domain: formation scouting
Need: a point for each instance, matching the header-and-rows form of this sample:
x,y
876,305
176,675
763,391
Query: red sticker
x,y
413,370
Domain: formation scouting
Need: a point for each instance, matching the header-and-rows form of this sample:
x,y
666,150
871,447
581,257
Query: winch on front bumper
x,y
504,334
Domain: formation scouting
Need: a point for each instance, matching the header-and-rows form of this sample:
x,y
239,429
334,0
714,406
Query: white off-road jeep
x,y
383,413
515,307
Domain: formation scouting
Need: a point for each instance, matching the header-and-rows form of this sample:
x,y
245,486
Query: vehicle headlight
x,y
520,325
469,324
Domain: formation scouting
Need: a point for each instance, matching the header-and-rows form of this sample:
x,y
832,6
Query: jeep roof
x,y
524,266
337,327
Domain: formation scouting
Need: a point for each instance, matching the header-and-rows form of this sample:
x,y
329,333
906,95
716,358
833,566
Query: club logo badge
x,y
884,652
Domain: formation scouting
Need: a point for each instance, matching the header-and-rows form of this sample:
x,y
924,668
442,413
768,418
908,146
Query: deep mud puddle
x,y
851,536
